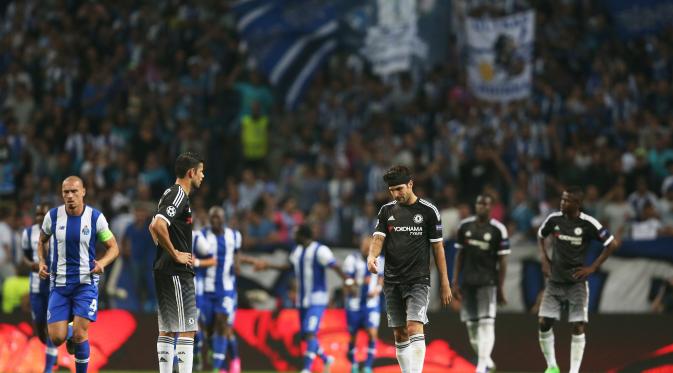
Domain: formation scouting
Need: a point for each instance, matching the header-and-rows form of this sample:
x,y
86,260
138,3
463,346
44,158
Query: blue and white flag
x,y
290,39
500,53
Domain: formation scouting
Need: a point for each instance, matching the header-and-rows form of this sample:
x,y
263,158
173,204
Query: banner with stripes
x,y
290,39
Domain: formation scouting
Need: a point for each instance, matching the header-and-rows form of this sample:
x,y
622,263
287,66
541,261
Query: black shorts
x,y
177,302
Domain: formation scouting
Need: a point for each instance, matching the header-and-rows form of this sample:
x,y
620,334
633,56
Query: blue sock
x,y
311,348
320,352
82,356
198,342
233,347
69,335
219,351
371,353
351,352
51,356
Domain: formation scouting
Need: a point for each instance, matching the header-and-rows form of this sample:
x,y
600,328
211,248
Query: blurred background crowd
x,y
113,92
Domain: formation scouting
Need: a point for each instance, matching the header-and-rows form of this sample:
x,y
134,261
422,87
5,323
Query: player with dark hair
x,y
572,231
482,244
171,230
309,259
407,227
39,289
74,270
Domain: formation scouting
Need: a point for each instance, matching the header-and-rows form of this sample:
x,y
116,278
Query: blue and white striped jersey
x,y
73,244
202,250
222,278
355,266
309,265
29,239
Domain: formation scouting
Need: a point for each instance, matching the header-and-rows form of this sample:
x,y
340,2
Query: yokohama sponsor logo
x,y
408,229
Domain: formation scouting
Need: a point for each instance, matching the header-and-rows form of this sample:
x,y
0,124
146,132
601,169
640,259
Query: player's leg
x,y
373,321
486,308
187,322
353,321
38,305
470,316
167,312
59,313
220,341
232,350
578,316
397,320
417,299
85,311
550,310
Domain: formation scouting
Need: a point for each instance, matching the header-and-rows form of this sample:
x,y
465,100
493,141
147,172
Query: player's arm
x,y
609,247
376,245
542,234
111,251
26,259
434,226
43,246
440,262
458,262
159,231
503,251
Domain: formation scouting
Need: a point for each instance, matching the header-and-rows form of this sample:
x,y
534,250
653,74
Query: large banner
x,y
500,53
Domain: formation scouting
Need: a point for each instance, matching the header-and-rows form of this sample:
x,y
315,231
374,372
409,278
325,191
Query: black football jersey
x,y
408,230
570,241
481,244
174,209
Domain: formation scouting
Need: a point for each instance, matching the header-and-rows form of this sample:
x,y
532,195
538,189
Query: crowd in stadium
x,y
113,92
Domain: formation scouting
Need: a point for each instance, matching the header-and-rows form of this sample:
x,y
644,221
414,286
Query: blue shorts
x,y
212,304
68,301
363,319
310,319
38,307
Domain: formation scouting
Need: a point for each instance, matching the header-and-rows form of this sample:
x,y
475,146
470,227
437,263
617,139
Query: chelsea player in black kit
x,y
572,231
482,245
406,229
171,230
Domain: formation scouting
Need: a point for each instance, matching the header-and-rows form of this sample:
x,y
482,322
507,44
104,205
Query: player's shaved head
x,y
73,179
216,210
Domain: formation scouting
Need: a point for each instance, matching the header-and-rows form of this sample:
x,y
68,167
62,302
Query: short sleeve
x,y
46,224
25,244
202,247
102,224
349,266
460,237
597,231
171,204
434,223
503,246
546,226
238,240
381,222
325,256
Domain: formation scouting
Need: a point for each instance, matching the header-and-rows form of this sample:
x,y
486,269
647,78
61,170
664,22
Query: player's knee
x,y
80,335
545,324
57,340
401,334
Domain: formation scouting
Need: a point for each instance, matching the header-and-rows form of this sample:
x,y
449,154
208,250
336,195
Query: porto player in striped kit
x,y
73,229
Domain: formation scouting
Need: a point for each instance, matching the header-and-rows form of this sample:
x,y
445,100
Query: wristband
x,y
349,282
197,263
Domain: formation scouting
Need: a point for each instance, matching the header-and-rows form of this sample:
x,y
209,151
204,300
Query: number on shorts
x,y
312,322
94,305
227,303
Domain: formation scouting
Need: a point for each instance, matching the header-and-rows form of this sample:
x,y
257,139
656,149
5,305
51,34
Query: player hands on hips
x,y
171,230
571,233
406,229
482,245
74,271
